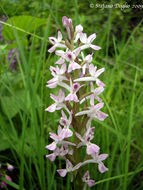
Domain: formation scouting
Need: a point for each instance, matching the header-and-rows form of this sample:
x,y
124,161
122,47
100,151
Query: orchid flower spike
x,y
77,78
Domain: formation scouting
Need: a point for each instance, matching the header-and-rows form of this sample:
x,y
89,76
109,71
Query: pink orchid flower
x,y
56,42
94,111
86,60
87,180
96,158
94,76
58,74
70,57
96,92
88,41
10,167
73,70
64,150
66,122
69,168
59,102
91,148
78,31
59,138
73,90
4,184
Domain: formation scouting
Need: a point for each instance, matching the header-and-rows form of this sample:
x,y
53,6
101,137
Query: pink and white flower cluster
x,y
3,184
78,99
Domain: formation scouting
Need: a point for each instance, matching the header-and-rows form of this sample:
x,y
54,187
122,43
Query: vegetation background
x,y
24,125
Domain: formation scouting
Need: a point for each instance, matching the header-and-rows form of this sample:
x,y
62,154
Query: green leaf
x,y
9,79
3,49
4,144
24,42
9,106
12,104
22,24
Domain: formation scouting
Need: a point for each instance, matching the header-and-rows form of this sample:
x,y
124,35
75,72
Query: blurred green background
x,y
24,125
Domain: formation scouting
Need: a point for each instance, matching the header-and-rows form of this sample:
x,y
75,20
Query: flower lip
x,y
52,39
79,28
63,121
75,86
69,56
88,138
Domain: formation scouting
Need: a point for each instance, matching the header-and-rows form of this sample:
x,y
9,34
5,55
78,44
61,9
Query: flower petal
x,y
92,69
90,182
91,38
85,79
77,51
99,90
79,28
86,175
51,157
82,113
101,115
67,133
62,172
52,80
99,106
95,47
53,97
52,49
53,40
98,72
63,68
69,164
92,148
100,83
51,146
102,168
92,99
72,97
89,58
59,36
53,85
51,108
60,53
102,157
73,66
83,38
60,61
54,136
